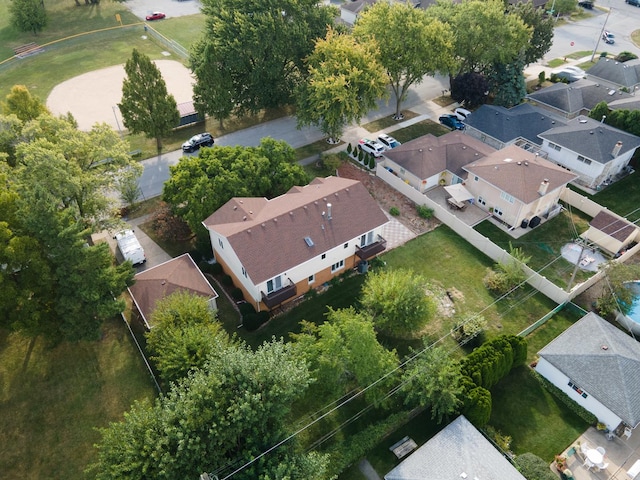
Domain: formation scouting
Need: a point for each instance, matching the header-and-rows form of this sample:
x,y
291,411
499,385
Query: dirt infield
x,y
93,97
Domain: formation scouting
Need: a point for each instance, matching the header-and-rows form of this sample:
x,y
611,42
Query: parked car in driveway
x,y
461,113
451,121
388,141
200,140
608,37
635,3
155,16
371,146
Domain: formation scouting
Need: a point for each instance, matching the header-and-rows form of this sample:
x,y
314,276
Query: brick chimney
x,y
544,185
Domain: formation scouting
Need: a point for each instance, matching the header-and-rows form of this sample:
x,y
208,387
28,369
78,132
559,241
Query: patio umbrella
x,y
458,192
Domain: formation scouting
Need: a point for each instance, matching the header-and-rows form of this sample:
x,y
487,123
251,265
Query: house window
x,y
274,284
324,255
220,243
497,211
312,278
581,392
584,160
507,197
482,201
555,147
337,266
244,271
346,245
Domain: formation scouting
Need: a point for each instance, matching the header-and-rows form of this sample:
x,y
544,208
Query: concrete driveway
x,y
172,8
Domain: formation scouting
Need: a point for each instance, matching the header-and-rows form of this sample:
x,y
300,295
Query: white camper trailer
x,y
130,247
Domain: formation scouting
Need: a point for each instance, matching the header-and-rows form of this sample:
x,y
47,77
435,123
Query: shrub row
x,y
533,467
575,407
489,363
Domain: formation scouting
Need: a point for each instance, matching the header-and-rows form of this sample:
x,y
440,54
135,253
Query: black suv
x,y
197,141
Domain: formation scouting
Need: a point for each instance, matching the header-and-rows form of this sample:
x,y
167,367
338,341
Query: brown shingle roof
x,y
158,282
268,236
612,226
429,155
519,173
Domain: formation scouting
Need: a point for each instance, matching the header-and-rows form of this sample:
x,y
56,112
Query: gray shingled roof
x,y
625,74
603,361
429,155
507,124
591,138
268,236
180,273
581,95
519,173
456,450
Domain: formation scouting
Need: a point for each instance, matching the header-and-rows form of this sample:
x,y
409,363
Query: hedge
x,y
532,467
575,407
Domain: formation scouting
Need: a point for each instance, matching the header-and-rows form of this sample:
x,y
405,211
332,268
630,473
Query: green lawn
x,y
52,398
621,197
183,30
65,20
386,122
544,243
532,417
419,129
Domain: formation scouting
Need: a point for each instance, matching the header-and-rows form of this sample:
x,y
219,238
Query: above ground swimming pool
x,y
631,321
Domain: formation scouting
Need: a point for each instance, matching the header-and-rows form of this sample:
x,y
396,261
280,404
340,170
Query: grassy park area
x,y
53,397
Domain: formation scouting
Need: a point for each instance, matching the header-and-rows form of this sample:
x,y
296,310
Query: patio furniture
x,y
584,448
601,450
602,467
634,470
588,463
567,474
627,432
595,457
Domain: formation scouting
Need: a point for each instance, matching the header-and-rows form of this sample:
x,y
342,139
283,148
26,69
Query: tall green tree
x,y
600,111
434,380
398,301
72,168
28,15
410,44
615,296
22,104
507,83
484,34
344,83
185,334
10,132
252,53
198,186
343,353
146,105
218,418
542,30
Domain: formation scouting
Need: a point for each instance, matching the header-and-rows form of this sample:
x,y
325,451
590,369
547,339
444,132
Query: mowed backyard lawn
x,y
52,398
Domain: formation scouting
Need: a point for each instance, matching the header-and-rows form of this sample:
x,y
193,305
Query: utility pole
x,y
601,32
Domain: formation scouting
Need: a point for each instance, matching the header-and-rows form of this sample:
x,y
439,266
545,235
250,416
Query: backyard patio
x,y
621,453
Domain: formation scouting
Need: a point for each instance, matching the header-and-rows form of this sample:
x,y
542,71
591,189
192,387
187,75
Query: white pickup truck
x,y
130,247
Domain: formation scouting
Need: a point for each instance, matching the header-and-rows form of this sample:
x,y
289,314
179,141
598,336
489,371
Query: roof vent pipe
x,y
328,211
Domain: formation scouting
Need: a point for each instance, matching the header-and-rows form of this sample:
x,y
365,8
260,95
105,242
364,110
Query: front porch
x,y
621,453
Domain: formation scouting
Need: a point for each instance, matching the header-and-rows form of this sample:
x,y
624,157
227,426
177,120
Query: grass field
x,y
53,398
621,197
65,20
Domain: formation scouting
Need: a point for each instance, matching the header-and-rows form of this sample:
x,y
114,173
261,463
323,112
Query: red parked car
x,y
155,16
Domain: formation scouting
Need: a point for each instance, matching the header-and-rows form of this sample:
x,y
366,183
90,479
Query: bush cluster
x,y
533,467
424,211
253,321
237,294
394,211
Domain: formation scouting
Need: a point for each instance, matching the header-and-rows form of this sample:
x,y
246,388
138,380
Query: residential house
x,y
500,126
276,250
577,98
349,11
595,151
178,274
610,232
519,187
459,451
617,74
598,366
430,161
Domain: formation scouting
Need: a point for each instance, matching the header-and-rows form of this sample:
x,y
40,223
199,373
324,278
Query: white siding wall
x,y
561,381
317,263
229,257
